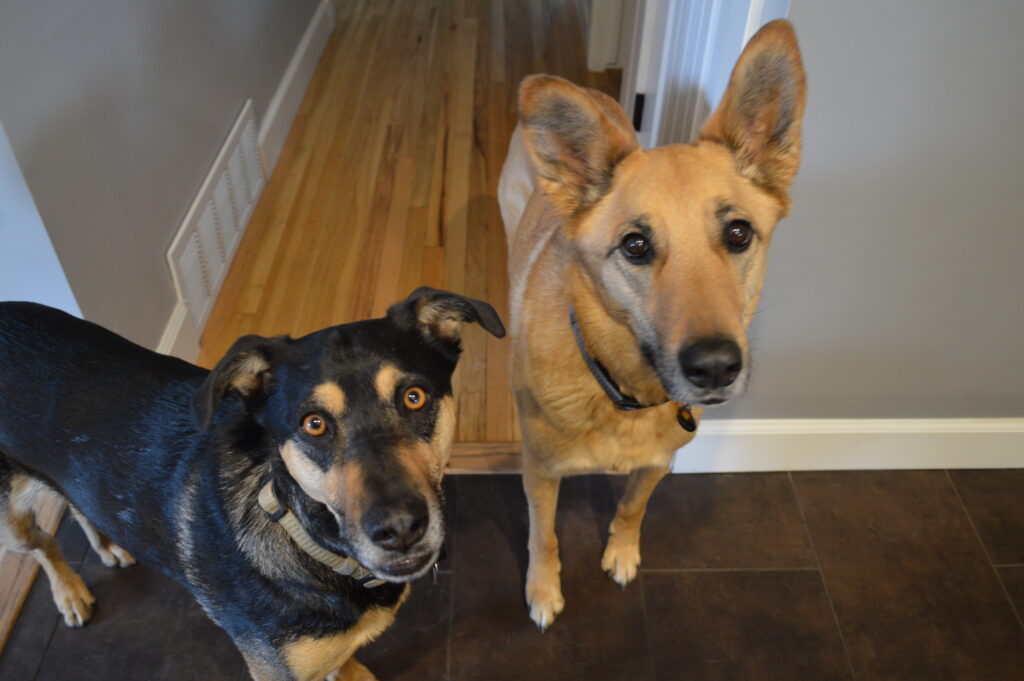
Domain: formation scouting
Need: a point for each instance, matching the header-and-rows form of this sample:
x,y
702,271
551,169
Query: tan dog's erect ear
x,y
761,111
575,137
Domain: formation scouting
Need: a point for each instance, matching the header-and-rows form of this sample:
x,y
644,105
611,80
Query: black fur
x,y
152,449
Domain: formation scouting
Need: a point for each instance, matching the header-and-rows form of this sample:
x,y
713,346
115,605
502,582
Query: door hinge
x,y
638,111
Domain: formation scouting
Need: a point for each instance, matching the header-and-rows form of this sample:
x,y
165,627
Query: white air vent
x,y
204,245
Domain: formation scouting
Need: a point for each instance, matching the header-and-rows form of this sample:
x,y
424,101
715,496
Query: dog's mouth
x,y
406,569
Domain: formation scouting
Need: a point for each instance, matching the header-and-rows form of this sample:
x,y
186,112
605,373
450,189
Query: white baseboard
x,y
852,444
180,338
277,121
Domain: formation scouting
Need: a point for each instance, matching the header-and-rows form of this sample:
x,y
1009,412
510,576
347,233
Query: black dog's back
x,y
61,378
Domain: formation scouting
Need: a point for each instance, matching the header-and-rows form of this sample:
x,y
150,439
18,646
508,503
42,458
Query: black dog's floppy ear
x,y
243,369
440,314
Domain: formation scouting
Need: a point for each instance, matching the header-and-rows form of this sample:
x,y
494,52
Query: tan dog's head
x,y
672,240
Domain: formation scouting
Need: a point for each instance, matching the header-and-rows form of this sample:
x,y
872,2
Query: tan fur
x,y
340,486
19,533
247,376
312,659
622,554
386,381
594,185
352,671
331,397
444,434
110,553
439,319
311,479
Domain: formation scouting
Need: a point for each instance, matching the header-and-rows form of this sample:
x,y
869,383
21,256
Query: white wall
x,y
896,287
116,109
29,269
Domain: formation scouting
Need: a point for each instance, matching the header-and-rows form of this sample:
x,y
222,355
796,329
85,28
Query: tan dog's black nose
x,y
711,363
396,527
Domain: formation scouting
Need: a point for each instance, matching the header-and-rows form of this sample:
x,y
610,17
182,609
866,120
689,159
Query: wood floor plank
x,y
388,181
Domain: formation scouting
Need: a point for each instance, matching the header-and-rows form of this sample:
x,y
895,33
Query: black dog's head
x,y
362,419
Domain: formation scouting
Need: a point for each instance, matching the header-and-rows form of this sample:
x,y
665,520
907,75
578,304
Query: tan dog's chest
x,y
615,442
571,424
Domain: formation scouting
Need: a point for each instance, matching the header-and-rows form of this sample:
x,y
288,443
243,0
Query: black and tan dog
x,y
634,275
294,490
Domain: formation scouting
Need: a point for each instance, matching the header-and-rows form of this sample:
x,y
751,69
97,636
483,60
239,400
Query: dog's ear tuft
x,y
243,369
575,138
439,315
759,118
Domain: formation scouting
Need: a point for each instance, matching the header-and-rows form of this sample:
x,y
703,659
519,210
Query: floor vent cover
x,y
202,249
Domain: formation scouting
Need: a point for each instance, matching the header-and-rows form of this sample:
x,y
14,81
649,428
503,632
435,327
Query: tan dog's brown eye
x,y
636,248
314,425
415,398
738,235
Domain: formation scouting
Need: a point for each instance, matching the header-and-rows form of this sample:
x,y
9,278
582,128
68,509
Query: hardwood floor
x,y
388,182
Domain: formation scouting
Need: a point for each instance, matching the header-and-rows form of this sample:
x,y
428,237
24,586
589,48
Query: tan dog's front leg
x,y
543,583
622,554
110,553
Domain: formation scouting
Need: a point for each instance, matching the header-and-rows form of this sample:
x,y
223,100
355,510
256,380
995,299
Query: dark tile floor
x,y
900,575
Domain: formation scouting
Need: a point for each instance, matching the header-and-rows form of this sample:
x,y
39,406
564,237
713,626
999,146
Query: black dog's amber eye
x,y
415,398
314,425
738,235
636,248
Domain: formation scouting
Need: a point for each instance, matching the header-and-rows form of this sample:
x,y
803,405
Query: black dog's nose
x,y
711,363
397,526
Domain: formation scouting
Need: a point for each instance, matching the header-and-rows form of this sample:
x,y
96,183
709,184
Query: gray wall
x,y
896,287
115,110
29,269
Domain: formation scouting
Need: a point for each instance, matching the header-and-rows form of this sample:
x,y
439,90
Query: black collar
x,y
611,388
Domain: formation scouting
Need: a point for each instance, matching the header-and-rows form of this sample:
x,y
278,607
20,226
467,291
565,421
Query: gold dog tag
x,y
685,418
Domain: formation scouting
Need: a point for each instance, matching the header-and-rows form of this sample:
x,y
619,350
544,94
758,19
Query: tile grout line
x,y
49,639
821,574
647,632
65,517
984,549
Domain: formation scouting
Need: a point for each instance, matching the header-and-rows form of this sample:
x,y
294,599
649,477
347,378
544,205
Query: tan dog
x,y
659,256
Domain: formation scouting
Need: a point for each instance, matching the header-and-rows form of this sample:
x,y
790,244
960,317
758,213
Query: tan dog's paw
x,y
544,596
113,555
621,558
351,671
73,599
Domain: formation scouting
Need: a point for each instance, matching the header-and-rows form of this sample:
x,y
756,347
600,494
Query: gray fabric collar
x,y
343,565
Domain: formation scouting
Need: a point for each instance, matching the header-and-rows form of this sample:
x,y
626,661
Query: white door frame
x,y
679,57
